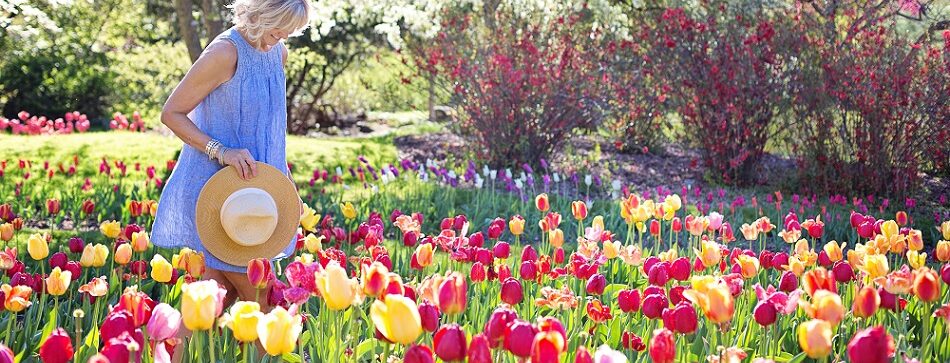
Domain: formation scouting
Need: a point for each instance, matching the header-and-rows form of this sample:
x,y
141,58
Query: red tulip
x,y
926,287
765,313
138,304
547,347
779,259
511,291
6,354
58,259
259,272
653,305
410,238
680,269
529,270
429,315
765,259
823,259
117,322
629,300
945,273
418,354
677,225
583,356
76,245
788,282
529,254
129,229
631,341
681,318
503,272
478,350
477,274
889,301
449,343
596,284
663,346
497,325
649,262
501,250
843,271
659,274
856,219
58,347
866,302
676,294
453,294
655,227
558,255
6,212
117,349
52,206
496,228
871,345
901,218
519,337
477,239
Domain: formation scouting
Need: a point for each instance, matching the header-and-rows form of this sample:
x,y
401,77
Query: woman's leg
x,y
221,279
247,292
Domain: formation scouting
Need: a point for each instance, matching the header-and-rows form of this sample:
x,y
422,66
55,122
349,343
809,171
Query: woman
x,y
230,111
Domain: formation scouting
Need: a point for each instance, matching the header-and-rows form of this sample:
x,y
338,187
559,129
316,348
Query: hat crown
x,y
249,216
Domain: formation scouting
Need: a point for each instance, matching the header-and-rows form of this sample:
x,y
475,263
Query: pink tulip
x,y
164,323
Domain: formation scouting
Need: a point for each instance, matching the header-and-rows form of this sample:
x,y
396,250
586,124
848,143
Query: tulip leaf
x,y
800,357
291,357
19,357
612,290
366,346
50,325
615,333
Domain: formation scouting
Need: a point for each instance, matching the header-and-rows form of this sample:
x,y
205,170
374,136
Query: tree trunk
x,y
431,80
212,17
186,25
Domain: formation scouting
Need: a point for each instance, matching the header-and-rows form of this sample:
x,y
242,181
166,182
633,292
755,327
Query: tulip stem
x,y
247,353
211,344
9,342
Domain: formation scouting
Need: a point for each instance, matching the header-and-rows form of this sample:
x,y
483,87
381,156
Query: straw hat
x,y
240,220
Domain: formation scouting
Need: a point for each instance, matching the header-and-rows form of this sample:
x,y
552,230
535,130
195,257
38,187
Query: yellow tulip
x,y
6,231
312,243
714,299
710,254
201,302
139,241
349,211
916,259
88,256
673,200
100,255
834,251
598,222
242,319
309,219
161,269
945,229
193,262
516,225
37,246
123,254
338,290
915,241
825,305
279,331
889,228
669,255
611,249
749,265
110,229
397,319
875,265
814,336
795,265
556,238
58,281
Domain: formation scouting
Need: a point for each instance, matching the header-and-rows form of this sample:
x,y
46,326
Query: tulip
x,y
945,230
628,300
663,346
658,274
765,313
926,287
788,282
818,279
875,265
945,273
337,290
6,232
397,318
528,270
97,287
479,350
680,269
749,266
556,238
348,210
453,294
52,206
164,323
161,269
653,305
57,348
123,254
871,345
278,331
58,259
116,323
259,272
497,325
88,256
681,318
242,319
710,253
429,316
477,273
843,272
916,260
814,337
519,337
943,251
15,298
825,305
915,241
866,302
37,247
511,291
542,203
449,343
596,284
548,347
58,282
579,210
422,257
110,229
516,225
501,250
716,301
201,303
309,218
418,354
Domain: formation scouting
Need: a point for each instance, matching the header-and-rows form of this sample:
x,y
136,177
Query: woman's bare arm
x,y
215,66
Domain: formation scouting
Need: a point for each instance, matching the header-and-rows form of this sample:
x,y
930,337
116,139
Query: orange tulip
x,y
374,279
6,232
866,302
825,305
713,298
915,242
926,287
814,336
749,266
943,251
579,210
819,279
16,298
556,237
423,255
898,282
834,251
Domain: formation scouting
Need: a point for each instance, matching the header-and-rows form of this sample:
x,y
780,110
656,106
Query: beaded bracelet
x,y
214,150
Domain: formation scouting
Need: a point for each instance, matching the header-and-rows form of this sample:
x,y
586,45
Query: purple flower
x,y
544,163
363,159
546,179
910,203
527,168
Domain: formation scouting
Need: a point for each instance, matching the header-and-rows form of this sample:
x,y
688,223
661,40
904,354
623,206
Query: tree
x,y
211,13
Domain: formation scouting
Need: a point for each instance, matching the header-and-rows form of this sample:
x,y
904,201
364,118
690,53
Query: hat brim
x,y
216,191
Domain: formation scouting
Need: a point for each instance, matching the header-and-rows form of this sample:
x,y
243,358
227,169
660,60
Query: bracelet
x,y
214,150
219,155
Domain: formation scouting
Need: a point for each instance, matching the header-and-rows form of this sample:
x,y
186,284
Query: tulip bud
x,y
501,250
629,300
519,337
478,350
418,354
449,343
765,313
871,345
663,346
596,284
653,305
511,291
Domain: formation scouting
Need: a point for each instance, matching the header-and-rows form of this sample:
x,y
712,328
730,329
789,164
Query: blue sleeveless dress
x,y
248,111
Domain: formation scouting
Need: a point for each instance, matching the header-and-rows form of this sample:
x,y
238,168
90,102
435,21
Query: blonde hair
x,y
255,17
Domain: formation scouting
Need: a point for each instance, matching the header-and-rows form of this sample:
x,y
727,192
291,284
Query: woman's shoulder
x,y
221,50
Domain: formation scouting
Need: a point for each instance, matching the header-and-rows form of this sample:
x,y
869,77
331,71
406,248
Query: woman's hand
x,y
242,161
